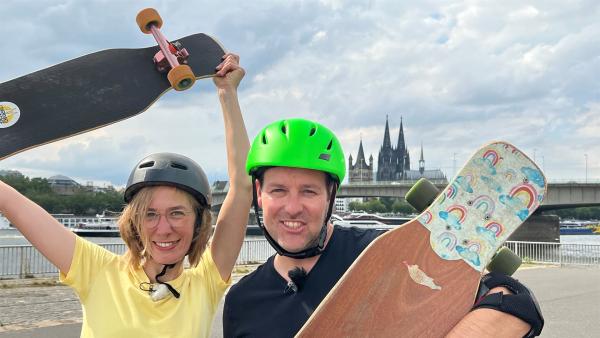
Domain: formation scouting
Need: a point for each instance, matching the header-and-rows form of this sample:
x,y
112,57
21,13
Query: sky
x,y
458,73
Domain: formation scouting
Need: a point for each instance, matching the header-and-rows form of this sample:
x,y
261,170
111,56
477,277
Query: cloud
x,y
460,74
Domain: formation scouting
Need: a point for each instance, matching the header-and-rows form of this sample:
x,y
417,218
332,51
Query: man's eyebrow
x,y
312,186
169,208
274,184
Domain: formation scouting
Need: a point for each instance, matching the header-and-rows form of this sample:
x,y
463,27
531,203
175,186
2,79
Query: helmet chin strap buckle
x,y
161,292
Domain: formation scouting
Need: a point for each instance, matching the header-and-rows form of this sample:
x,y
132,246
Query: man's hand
x,y
507,308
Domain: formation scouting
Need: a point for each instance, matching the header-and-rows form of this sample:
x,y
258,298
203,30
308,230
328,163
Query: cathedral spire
x,y
360,157
401,147
387,144
360,171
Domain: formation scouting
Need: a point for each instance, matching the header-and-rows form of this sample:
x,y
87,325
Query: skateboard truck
x,y
172,56
162,62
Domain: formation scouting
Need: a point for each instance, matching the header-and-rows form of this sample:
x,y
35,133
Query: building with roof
x,y
63,185
360,171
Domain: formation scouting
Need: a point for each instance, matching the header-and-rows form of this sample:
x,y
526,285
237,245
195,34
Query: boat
x,y
364,224
97,229
111,229
369,221
99,226
576,227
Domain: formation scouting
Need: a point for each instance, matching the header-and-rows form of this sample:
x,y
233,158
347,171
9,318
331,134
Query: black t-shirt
x,y
261,304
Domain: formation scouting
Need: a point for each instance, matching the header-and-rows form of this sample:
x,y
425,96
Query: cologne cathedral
x,y
393,163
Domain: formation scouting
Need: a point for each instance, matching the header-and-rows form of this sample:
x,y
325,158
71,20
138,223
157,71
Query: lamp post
x,y
586,160
543,164
453,164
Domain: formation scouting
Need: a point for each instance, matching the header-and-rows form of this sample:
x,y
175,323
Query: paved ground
x,y
569,298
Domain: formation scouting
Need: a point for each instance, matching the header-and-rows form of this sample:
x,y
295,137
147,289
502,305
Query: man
x,y
297,166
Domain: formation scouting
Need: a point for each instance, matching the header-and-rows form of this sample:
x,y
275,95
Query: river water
x,y
12,236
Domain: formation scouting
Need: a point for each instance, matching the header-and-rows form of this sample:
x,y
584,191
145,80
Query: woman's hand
x,y
229,73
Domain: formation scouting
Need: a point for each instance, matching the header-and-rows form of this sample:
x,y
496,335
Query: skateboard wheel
x,y
505,261
181,77
146,18
422,194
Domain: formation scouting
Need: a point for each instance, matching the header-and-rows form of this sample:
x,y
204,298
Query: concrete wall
x,y
538,228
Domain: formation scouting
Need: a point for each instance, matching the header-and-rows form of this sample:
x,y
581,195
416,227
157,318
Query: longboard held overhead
x,y
90,92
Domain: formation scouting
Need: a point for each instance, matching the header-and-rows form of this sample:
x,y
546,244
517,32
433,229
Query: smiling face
x,y
168,225
294,203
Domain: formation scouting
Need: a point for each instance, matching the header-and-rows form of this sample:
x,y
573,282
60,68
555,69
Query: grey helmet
x,y
169,169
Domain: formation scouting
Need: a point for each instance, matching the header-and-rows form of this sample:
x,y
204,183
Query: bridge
x,y
560,195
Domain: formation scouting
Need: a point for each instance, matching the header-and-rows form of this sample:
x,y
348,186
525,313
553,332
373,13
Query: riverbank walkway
x,y
569,298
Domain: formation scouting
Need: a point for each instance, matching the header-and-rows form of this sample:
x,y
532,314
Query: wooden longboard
x,y
90,92
421,278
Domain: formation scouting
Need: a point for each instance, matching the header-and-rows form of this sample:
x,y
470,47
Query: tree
x,y
356,206
375,205
388,202
402,207
81,203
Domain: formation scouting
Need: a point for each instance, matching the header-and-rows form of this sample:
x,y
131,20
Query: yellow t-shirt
x,y
115,306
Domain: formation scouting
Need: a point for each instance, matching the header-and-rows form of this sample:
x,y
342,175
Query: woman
x,y
147,292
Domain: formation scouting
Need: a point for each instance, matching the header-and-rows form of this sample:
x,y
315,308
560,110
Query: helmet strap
x,y
161,291
311,251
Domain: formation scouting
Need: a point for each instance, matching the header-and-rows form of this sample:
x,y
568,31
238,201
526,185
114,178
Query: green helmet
x,y
297,143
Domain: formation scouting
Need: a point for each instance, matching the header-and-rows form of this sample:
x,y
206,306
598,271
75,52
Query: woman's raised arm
x,y
42,230
233,217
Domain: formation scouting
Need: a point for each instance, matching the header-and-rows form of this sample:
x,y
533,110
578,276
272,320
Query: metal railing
x,y
556,253
24,261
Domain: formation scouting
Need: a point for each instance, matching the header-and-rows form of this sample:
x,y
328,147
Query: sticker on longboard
x,y
420,277
9,114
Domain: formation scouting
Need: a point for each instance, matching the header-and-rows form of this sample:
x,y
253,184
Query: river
x,y
11,236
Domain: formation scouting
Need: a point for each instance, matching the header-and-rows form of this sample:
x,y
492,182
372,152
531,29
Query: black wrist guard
x,y
521,304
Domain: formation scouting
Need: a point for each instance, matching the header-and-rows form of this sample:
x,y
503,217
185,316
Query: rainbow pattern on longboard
x,y
509,187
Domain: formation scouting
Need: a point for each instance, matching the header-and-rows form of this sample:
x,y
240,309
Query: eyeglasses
x,y
175,217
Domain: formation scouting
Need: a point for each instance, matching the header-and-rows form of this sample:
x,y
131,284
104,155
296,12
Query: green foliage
x,y
388,202
375,205
383,205
403,207
355,206
82,202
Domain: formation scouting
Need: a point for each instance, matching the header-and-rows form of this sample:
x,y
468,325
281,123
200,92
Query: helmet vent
x,y
264,138
283,129
329,145
313,130
148,164
178,166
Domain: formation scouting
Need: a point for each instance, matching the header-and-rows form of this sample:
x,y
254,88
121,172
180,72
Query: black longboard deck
x,y
90,92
